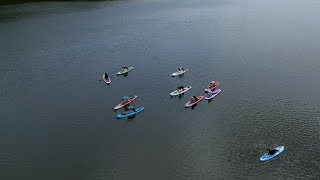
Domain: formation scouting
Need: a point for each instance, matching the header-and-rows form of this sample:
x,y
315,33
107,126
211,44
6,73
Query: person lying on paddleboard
x,y
193,99
180,88
272,152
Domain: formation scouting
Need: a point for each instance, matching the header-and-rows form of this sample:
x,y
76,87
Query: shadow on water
x,y
181,76
131,118
181,96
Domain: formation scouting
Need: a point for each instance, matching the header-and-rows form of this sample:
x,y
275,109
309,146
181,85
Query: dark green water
x,y
56,120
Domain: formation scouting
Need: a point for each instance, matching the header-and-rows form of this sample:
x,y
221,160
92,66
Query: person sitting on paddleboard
x,y
131,108
210,93
125,68
212,84
193,99
125,99
180,88
272,152
181,69
106,75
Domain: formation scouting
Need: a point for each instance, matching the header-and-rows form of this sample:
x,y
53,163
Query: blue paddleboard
x,y
130,113
267,157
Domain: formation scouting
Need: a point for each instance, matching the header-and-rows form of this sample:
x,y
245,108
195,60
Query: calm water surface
x,y
56,120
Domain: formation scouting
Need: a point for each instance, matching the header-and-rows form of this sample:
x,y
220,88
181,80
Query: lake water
x,y
56,120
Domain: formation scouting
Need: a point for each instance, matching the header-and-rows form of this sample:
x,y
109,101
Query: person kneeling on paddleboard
x,y
180,88
272,152
106,75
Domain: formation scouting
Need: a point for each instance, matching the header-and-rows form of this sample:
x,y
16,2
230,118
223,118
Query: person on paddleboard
x,y
210,93
106,75
212,84
193,99
181,69
125,99
180,88
272,152
131,108
125,68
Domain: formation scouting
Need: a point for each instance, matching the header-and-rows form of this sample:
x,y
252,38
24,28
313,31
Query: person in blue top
x,y
272,152
125,99
210,93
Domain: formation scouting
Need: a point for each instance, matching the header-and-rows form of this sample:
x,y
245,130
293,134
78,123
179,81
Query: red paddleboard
x,y
124,104
189,104
215,85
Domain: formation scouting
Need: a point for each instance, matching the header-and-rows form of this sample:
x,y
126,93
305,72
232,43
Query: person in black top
x,y
106,75
272,152
180,88
193,99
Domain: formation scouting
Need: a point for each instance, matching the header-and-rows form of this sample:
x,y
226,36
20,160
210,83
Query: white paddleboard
x,y
178,73
176,92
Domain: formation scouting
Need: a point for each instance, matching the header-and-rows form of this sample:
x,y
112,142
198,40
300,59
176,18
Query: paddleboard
x,y
178,73
189,104
267,157
124,71
130,113
107,81
176,92
124,104
215,85
215,92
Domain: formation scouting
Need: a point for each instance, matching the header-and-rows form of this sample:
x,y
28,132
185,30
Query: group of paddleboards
x,y
210,90
124,71
211,93
130,111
